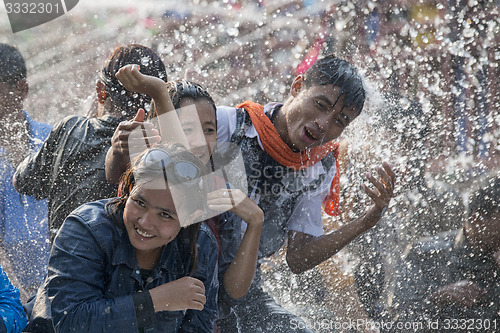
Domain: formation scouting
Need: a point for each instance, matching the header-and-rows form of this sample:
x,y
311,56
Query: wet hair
x,y
340,73
180,89
141,173
150,64
485,201
12,65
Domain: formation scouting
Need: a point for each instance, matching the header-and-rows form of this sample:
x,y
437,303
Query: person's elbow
x,y
295,262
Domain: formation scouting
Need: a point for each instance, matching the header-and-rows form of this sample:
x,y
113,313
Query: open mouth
x,y
310,134
142,233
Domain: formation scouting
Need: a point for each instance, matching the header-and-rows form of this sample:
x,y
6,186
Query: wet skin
x,y
313,116
484,232
200,128
151,221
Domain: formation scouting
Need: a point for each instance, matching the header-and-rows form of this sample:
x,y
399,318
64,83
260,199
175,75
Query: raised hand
x,y
124,145
122,141
182,294
382,193
133,80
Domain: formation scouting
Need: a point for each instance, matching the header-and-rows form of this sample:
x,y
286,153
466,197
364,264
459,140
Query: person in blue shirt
x,y
23,219
139,262
11,310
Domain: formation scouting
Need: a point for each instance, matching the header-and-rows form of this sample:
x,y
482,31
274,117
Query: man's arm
x,y
305,251
33,175
122,144
127,139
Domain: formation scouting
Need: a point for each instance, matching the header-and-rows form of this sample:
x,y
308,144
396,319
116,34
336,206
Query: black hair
x,y
485,201
180,89
12,65
340,73
195,193
150,64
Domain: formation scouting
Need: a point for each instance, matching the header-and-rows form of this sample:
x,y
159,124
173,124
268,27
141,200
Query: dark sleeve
x,y
33,175
204,321
75,285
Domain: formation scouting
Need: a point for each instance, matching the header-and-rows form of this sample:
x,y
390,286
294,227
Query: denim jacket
x,y
93,275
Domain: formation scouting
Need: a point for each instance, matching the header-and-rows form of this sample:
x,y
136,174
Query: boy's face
x,y
312,118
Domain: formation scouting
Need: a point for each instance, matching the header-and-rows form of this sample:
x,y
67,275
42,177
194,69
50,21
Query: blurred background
x,y
431,68
443,54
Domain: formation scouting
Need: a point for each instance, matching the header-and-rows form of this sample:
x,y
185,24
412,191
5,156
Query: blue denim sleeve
x,y
204,321
75,284
11,309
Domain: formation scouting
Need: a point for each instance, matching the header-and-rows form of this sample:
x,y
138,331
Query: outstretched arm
x,y
305,251
122,143
170,126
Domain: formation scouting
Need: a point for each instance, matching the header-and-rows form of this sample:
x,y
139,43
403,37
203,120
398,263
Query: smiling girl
x,y
136,262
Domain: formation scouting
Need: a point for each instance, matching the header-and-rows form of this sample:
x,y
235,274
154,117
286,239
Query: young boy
x,y
290,164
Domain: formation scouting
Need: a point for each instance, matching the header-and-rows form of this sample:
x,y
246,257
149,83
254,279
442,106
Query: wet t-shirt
x,y
291,200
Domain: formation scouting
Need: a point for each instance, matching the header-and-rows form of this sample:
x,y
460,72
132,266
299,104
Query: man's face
x,y
11,97
486,232
315,116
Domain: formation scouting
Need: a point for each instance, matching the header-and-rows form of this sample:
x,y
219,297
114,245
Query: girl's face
x,y
200,127
150,219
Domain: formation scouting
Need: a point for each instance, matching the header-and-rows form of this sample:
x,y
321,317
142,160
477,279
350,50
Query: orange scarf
x,y
281,153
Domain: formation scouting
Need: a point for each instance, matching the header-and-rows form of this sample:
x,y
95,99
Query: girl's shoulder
x,y
207,237
100,219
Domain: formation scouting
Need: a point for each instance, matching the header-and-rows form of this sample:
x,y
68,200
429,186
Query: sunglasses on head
x,y
185,172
